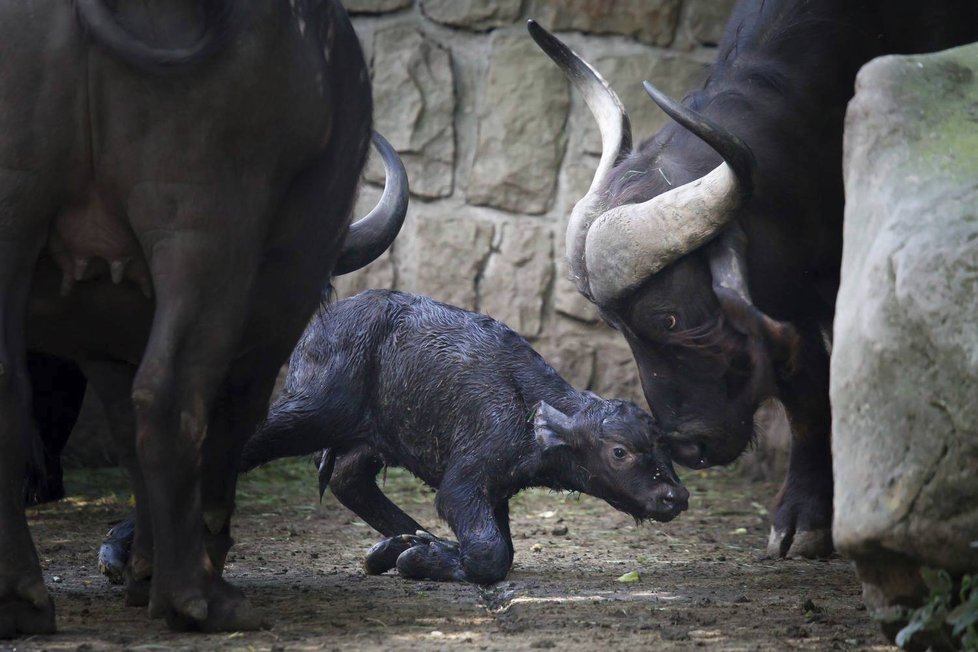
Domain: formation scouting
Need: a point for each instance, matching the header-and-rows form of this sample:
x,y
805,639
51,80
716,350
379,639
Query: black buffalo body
x,y
714,246
465,404
176,186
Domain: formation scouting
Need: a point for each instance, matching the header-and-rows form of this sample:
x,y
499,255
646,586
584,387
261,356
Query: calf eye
x,y
619,452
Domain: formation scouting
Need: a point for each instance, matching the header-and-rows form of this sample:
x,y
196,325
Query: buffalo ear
x,y
551,427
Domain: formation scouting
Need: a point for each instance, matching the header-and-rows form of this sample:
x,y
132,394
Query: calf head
x,y
612,450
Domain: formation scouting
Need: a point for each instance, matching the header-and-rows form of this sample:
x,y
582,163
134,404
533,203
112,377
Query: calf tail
x,y
291,429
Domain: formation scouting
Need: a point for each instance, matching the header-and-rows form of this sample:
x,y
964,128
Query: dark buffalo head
x,y
613,450
656,245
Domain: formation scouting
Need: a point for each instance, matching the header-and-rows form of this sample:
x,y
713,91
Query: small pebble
x,y
559,531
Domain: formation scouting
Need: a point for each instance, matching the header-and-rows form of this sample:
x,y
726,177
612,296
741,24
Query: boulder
x,y
905,354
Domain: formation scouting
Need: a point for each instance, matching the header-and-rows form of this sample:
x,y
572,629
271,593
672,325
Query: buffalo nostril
x,y
676,498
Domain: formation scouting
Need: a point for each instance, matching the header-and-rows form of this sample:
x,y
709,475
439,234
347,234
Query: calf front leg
x,y
483,554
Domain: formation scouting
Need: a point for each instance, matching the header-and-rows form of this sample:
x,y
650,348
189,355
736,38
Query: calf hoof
x,y
26,609
383,555
113,554
807,544
224,609
431,560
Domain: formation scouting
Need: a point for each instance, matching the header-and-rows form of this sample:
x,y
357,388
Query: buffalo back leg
x,y
24,603
802,522
240,406
201,279
42,154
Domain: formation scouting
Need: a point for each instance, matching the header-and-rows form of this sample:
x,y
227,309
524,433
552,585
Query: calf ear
x,y
551,426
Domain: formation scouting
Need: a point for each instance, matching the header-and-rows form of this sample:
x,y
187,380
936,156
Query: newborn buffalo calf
x,y
464,403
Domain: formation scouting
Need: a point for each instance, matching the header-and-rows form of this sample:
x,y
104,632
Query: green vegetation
x,y
948,620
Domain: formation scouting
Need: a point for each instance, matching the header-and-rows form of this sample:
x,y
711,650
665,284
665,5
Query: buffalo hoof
x,y
807,544
26,609
113,554
431,559
223,609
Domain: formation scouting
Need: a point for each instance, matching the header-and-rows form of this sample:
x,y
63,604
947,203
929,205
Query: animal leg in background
x,y
58,391
112,381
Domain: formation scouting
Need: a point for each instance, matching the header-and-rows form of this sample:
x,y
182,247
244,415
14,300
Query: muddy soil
x,y
702,581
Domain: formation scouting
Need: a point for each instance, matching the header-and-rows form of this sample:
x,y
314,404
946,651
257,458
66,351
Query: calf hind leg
x,y
354,484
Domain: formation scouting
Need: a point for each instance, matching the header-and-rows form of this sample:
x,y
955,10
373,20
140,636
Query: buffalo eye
x,y
619,452
669,322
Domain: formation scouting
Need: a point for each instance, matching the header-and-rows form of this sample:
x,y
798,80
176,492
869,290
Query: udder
x,y
90,240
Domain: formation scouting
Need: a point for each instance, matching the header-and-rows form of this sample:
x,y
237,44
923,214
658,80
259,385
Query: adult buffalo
x,y
714,246
176,183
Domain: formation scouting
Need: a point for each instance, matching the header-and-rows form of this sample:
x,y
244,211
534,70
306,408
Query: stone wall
x,y
498,149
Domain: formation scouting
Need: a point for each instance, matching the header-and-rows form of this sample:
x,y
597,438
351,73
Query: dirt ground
x,y
703,582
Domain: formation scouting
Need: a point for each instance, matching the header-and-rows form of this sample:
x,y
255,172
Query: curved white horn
x,y
628,244
616,142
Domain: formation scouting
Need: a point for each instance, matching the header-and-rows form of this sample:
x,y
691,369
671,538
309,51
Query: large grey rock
x,y
649,21
905,358
472,14
442,253
375,6
518,276
414,107
521,128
